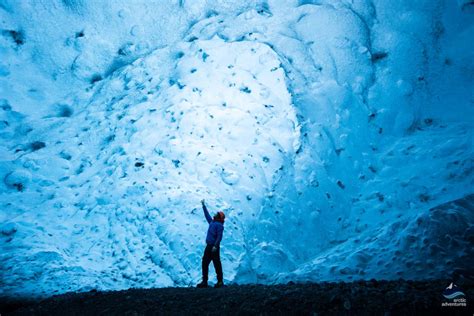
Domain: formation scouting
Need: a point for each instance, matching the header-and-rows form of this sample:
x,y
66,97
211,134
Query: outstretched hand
x,y
203,201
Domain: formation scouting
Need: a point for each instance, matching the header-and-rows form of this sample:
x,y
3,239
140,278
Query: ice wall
x,y
336,136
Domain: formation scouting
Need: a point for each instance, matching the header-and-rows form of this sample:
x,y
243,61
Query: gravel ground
x,y
356,298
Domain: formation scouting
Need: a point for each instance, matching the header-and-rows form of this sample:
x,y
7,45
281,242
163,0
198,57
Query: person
x,y
212,251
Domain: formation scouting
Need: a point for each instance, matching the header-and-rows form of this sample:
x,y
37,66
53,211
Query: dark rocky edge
x,y
356,298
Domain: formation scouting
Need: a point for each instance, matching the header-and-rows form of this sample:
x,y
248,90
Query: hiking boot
x,y
202,285
219,284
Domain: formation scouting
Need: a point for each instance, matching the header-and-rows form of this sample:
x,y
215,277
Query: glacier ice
x,y
336,135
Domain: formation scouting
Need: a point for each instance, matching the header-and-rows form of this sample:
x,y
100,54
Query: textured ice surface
x,y
336,136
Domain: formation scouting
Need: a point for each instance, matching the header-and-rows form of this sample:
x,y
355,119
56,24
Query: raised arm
x,y
206,212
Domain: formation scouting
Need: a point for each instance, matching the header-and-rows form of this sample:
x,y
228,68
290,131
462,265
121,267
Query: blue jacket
x,y
215,230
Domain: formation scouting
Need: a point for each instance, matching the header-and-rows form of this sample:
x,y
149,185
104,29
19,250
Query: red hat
x,y
220,216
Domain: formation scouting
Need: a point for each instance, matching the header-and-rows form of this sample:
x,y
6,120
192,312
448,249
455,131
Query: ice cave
x,y
336,135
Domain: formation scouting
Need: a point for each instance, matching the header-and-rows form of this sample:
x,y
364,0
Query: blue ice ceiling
x,y
336,135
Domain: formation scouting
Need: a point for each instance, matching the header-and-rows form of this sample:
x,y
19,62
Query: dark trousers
x,y
215,257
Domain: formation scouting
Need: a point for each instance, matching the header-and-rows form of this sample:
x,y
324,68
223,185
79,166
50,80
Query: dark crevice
x,y
18,37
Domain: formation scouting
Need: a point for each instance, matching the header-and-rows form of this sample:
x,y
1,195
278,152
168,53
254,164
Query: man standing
x,y
212,251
